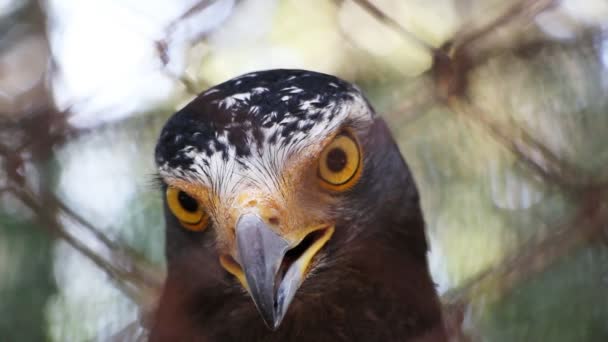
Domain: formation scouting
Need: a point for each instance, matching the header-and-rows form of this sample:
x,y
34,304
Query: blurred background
x,y
500,108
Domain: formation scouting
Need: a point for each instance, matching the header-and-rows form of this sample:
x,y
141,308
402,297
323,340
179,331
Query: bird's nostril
x,y
273,220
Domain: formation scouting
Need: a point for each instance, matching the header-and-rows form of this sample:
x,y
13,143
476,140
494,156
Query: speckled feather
x,y
370,282
245,118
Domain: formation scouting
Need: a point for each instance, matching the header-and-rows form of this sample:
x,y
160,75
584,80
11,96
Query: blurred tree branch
x,y
42,131
139,280
381,16
531,258
469,48
451,74
29,139
134,278
532,152
162,45
470,34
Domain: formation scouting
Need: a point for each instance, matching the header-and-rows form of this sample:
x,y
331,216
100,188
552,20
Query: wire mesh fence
x,y
499,108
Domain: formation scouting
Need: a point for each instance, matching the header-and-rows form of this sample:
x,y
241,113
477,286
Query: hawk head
x,y
280,187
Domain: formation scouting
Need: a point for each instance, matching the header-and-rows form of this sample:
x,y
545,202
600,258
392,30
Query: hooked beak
x,y
273,267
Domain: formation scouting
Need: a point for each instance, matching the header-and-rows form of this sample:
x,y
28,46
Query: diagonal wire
x,y
537,255
529,8
533,153
377,13
137,280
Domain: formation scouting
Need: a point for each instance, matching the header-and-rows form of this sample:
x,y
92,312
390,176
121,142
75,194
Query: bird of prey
x,y
290,216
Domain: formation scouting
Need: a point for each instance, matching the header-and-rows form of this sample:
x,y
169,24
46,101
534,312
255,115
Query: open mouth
x,y
294,254
311,243
269,267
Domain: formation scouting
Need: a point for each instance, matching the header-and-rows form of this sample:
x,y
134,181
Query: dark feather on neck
x,y
371,283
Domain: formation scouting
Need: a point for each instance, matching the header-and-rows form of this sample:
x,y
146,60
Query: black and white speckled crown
x,y
253,115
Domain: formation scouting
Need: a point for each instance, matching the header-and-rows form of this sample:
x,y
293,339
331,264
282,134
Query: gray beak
x,y
261,253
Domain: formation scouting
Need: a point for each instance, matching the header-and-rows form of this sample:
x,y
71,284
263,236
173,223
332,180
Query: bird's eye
x,y
187,210
340,163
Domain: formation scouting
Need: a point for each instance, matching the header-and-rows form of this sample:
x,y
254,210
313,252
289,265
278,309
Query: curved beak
x,y
273,267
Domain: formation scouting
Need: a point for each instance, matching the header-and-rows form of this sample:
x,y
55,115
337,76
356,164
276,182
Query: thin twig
x,y
126,273
193,10
127,256
532,152
162,45
79,219
529,8
414,106
393,24
536,256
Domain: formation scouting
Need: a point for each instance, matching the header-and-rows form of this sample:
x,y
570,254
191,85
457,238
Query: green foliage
x,y
567,303
26,279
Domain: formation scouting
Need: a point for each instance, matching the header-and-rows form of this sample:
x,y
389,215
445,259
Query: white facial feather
x,y
230,173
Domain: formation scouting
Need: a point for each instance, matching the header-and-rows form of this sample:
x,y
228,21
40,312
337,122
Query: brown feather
x,y
371,283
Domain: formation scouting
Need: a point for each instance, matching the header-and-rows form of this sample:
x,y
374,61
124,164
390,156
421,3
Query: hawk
x,y
290,216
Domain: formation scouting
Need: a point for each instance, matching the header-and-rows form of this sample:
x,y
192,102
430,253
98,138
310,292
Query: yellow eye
x,y
187,210
340,164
